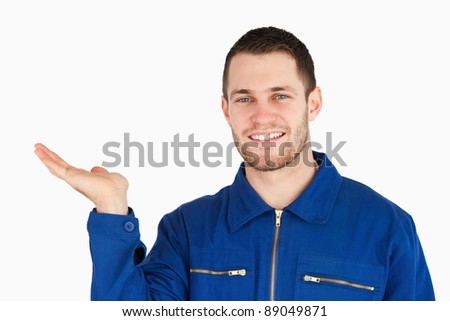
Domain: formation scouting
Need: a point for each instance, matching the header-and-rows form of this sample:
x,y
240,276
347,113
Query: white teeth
x,y
275,135
258,137
266,137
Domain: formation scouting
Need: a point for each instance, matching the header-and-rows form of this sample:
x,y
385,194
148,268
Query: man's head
x,y
268,40
270,94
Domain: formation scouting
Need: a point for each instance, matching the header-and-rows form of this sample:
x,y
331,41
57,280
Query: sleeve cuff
x,y
115,225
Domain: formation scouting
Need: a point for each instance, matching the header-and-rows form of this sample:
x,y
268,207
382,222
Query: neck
x,y
281,187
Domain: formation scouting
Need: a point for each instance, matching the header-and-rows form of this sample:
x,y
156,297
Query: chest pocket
x,y
338,280
221,274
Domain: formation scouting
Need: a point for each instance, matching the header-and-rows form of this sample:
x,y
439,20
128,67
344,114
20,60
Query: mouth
x,y
266,137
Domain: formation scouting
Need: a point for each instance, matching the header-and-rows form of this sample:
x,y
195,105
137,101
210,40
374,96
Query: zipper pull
x,y
309,278
278,217
240,272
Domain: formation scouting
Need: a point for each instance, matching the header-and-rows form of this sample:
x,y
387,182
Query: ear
x,y
225,110
314,103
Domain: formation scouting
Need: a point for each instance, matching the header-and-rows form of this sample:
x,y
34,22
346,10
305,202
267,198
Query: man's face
x,y
266,109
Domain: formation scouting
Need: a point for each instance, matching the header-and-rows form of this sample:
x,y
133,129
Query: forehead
x,y
262,71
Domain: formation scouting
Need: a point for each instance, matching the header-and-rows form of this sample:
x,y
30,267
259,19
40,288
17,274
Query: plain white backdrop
x,y
77,74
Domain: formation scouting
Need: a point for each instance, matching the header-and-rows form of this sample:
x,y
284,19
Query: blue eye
x,y
243,100
281,97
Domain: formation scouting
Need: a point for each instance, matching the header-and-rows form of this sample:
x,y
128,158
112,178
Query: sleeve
x,y
120,269
409,277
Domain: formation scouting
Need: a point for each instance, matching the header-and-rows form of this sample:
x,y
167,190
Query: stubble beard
x,y
258,157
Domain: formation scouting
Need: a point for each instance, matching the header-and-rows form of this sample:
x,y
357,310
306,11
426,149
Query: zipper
x,y
278,214
315,279
241,272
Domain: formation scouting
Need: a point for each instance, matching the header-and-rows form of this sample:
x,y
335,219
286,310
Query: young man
x,y
288,228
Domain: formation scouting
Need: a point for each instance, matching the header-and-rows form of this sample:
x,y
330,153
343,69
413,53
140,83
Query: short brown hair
x,y
270,39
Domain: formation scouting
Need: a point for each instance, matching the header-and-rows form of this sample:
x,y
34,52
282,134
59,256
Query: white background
x,y
77,74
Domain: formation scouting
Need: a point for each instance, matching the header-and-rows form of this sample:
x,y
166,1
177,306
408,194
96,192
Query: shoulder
x,y
204,205
363,200
206,202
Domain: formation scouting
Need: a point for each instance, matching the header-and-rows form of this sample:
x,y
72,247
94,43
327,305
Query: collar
x,y
313,205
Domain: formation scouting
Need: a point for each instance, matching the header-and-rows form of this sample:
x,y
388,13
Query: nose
x,y
263,114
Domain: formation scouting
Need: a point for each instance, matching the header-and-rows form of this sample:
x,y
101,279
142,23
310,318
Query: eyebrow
x,y
239,91
271,89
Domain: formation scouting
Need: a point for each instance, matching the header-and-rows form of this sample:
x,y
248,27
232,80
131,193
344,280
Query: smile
x,y
261,137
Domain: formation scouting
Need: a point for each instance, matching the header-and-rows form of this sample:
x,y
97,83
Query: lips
x,y
268,136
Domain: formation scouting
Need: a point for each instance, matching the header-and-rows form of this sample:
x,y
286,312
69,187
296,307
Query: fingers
x,y
98,169
51,154
55,164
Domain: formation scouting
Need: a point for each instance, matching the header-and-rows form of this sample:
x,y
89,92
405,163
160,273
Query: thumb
x,y
98,169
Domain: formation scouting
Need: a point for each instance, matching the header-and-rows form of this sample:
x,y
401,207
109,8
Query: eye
x,y
281,97
243,100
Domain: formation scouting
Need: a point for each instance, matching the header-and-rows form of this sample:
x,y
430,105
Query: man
x,y
288,228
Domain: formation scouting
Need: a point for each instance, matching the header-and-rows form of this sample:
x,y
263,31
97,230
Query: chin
x,y
270,165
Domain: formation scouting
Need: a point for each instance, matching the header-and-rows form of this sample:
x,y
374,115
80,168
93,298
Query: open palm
x,y
107,190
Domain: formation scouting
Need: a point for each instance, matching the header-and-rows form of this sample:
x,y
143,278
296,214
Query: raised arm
x,y
119,269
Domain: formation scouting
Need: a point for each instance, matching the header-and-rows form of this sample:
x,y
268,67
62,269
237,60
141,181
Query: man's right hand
x,y
107,190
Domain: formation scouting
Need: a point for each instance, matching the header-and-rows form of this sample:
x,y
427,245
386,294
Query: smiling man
x,y
275,108
288,228
268,108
